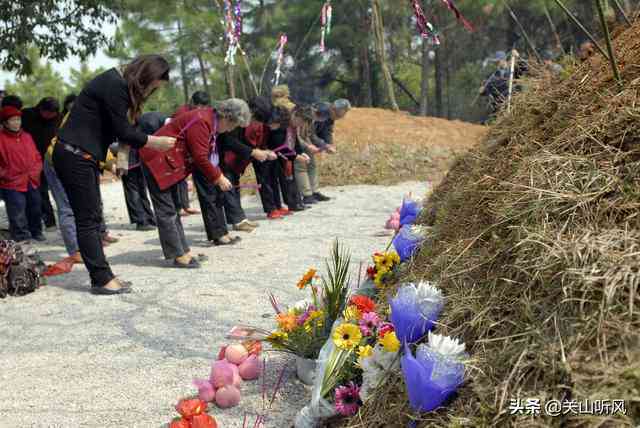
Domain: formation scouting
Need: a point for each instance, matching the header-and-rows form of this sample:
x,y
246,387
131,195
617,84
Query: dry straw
x,y
536,246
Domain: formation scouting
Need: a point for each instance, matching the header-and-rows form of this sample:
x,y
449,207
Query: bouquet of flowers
x,y
435,373
408,241
361,347
383,269
304,328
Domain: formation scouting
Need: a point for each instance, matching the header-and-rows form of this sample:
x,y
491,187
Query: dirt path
x,y
69,359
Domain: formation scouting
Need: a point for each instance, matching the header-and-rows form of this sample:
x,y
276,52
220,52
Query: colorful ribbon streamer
x,y
280,59
426,30
233,23
458,14
325,23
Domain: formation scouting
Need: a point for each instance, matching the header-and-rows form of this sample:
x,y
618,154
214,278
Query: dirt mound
x,y
535,242
382,147
374,126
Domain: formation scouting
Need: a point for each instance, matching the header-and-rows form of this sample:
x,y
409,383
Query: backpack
x,y
20,274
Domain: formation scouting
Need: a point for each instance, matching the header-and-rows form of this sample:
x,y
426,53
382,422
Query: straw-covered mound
x,y
535,242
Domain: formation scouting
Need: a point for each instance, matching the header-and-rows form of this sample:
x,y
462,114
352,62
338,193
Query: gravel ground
x,y
71,359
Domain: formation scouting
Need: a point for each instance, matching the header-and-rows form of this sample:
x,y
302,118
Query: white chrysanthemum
x,y
418,230
385,360
301,305
424,297
446,346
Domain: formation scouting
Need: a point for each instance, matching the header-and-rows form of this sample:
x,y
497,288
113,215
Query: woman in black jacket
x,y
106,110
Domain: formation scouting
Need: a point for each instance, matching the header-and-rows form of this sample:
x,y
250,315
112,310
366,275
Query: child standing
x,y
20,170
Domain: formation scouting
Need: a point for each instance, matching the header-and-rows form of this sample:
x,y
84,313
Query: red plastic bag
x,y
190,408
60,268
203,421
180,423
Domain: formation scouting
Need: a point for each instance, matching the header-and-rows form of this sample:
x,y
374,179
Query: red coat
x,y
194,132
256,135
20,162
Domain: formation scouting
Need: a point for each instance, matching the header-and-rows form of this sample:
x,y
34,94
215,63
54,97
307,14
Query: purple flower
x,y
368,323
414,310
433,375
348,399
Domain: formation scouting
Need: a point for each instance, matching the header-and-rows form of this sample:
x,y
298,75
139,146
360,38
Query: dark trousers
x,y
233,200
181,195
24,212
80,178
135,195
288,187
48,216
269,186
211,200
172,238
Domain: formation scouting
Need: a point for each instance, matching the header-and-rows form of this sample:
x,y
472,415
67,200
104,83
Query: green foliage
x,y
336,287
57,28
42,82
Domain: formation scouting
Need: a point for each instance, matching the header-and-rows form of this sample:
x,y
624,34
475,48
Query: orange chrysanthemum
x,y
307,278
286,322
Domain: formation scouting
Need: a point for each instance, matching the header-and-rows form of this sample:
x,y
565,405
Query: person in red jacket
x,y
196,150
20,170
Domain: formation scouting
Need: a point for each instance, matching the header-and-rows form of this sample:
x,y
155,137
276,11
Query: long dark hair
x,y
140,74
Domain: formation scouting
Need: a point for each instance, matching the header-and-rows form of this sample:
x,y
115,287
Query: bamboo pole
x,y
622,12
612,56
554,29
582,27
511,73
524,32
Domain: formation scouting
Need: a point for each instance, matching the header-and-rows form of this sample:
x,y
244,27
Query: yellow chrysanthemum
x,y
286,322
352,313
395,258
347,336
308,328
377,280
365,351
277,337
390,342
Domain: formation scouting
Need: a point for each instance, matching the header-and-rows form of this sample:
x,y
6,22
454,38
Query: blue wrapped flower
x,y
410,210
415,309
435,373
408,241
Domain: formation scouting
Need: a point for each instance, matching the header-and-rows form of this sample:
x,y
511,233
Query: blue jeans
x,y
24,210
65,213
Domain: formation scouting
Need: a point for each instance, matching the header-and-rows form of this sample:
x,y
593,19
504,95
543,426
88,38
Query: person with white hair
x,y
195,152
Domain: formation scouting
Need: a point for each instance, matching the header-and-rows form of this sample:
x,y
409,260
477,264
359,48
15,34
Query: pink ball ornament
x,y
236,354
206,392
222,374
227,396
251,368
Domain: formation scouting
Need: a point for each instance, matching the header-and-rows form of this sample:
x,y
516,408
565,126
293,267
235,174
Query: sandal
x,y
193,264
228,241
125,288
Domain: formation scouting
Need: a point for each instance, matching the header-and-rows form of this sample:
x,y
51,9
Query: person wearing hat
x,y
20,172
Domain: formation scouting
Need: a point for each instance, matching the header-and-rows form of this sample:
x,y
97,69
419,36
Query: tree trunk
x,y
365,74
447,79
230,80
203,72
183,65
378,28
424,83
438,67
243,86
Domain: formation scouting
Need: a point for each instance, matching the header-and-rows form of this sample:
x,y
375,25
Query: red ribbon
x,y
458,14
